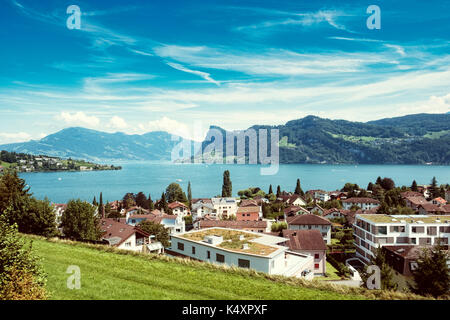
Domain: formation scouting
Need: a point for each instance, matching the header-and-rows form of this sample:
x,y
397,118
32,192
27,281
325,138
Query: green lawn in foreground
x,y
107,275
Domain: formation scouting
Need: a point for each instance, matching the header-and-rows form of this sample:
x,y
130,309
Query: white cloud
x,y
14,137
195,131
204,75
78,119
117,123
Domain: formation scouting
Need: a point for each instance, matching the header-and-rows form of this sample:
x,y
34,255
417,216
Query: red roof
x,y
112,228
176,204
305,240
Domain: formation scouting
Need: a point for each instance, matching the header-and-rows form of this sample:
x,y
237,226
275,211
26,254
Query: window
x,y
193,250
220,258
316,256
127,244
244,263
180,246
382,230
316,266
208,254
413,240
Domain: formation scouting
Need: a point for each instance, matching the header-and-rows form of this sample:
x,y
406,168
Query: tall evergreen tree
x,y
227,185
278,191
434,189
94,202
298,189
270,189
189,190
163,204
151,205
414,186
101,207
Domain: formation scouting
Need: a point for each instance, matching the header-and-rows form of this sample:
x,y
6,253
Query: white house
x,y
127,237
225,207
363,203
200,209
174,223
179,209
243,249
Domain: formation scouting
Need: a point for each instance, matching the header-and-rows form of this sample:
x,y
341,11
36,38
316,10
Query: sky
x,y
181,66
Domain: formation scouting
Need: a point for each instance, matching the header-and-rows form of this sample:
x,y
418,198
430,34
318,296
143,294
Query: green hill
x,y
108,273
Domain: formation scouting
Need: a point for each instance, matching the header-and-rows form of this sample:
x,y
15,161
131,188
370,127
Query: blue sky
x,y
181,66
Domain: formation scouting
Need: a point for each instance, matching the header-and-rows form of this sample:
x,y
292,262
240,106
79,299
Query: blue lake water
x,y
206,180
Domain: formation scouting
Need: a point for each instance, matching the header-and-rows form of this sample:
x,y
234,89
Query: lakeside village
x,y
22,162
317,234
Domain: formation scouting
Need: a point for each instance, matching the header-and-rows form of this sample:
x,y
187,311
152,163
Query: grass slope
x,y
109,275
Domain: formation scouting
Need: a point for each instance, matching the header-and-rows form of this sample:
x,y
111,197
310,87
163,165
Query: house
x,y
59,210
249,213
135,210
248,203
316,209
294,210
201,209
375,230
338,195
439,201
407,194
447,195
127,237
333,213
363,203
253,226
244,249
311,222
403,258
225,207
309,242
319,195
415,202
174,223
431,209
424,190
179,209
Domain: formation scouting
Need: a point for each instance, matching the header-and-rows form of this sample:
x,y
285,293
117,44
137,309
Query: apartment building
x,y
363,203
374,230
225,207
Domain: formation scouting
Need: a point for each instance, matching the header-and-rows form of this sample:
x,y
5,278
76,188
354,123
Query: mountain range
x,y
411,139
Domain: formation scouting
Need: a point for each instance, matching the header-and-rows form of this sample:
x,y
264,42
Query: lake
x,y
206,179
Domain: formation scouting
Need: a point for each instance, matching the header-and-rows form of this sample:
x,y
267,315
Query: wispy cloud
x,y
202,74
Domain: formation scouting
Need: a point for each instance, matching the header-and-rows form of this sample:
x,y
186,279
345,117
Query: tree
x,y
386,272
155,229
163,204
432,276
39,219
298,189
175,193
189,195
94,202
101,208
414,186
14,195
128,200
270,190
387,184
151,205
278,191
141,200
434,189
21,277
79,221
227,185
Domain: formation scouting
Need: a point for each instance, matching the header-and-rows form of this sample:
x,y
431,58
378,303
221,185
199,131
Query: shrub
x,y
21,278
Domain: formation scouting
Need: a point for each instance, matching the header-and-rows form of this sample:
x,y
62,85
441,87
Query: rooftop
x,y
383,218
236,240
